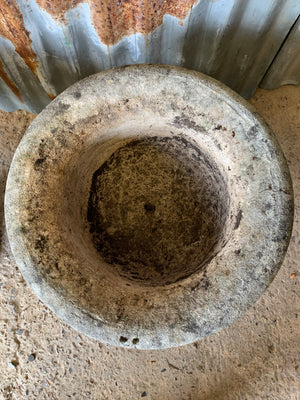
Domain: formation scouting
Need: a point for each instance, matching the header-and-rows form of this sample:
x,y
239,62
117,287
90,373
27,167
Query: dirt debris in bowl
x,y
256,358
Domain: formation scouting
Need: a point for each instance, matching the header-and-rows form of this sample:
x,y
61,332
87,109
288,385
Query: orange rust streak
x,y
58,8
114,19
9,82
12,28
51,96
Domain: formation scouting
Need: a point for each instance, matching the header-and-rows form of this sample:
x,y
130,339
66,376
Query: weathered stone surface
x,y
95,267
254,358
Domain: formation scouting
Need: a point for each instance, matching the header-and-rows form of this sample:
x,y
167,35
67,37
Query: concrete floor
x,y
255,358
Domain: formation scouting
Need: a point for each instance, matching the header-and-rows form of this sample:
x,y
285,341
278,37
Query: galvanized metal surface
x,y
45,46
285,70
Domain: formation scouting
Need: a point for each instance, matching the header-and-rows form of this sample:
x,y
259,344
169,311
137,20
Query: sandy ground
x,y
255,358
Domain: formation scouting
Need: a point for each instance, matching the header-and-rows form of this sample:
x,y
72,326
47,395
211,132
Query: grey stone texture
x,y
257,357
178,184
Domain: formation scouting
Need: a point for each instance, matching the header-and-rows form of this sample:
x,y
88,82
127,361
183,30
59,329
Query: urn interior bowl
x,y
148,206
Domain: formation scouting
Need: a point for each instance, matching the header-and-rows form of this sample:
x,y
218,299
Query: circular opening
x,y
157,210
116,202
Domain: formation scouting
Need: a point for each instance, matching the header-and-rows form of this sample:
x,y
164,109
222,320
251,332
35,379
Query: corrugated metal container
x,y
47,45
285,69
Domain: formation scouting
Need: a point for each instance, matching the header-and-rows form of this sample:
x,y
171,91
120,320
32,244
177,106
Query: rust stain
x,y
114,19
58,8
12,28
10,83
51,96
